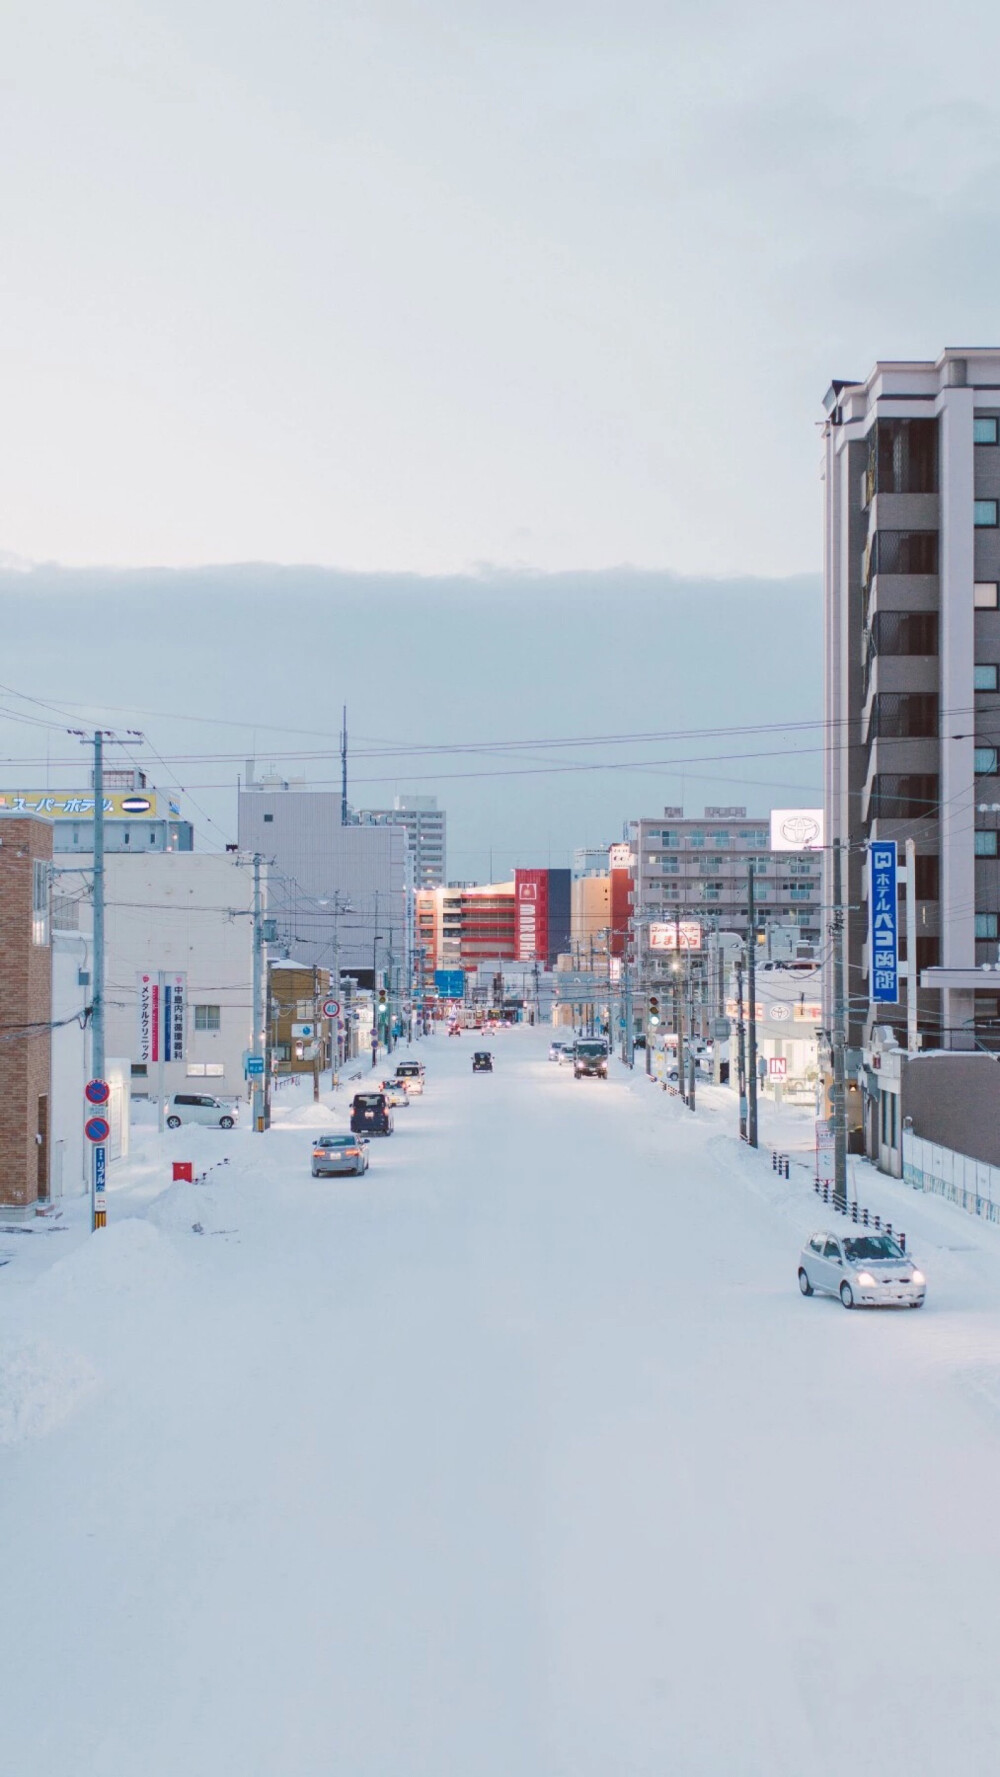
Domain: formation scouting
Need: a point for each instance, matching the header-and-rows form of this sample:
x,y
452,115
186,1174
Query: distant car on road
x,y
370,1114
590,1059
395,1092
865,1269
336,1154
556,1051
410,1075
200,1107
482,1062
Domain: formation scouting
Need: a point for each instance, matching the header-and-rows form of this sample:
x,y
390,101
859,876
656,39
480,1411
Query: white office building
x,y
912,649
425,825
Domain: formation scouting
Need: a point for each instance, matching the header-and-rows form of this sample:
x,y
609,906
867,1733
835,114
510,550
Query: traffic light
x,y
654,1009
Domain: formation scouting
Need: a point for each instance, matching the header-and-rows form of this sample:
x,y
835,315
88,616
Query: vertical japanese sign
x,y
883,923
148,1021
174,996
162,1012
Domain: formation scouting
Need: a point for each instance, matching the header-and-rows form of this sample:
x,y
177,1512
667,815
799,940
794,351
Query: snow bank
x,y
41,1385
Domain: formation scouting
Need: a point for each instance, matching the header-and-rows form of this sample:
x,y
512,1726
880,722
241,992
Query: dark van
x,y
370,1114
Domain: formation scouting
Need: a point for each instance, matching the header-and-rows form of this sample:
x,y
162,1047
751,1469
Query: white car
x,y
556,1050
200,1107
865,1269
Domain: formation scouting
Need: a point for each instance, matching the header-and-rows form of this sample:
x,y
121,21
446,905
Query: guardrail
x,y
855,1213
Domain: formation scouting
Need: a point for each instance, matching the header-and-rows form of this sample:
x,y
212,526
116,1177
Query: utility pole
x,y
99,1158
839,1036
343,771
741,1052
679,1006
912,1035
752,990
259,1041
316,1042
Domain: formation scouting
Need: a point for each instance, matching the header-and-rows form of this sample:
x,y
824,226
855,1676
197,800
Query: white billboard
x,y
796,829
684,934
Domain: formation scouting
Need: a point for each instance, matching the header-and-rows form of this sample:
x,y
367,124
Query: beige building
x,y
590,918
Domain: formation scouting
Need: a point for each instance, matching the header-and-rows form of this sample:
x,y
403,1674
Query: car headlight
x,y
918,1277
866,1278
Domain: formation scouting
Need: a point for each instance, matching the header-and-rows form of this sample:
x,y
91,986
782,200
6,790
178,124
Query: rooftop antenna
x,y
343,771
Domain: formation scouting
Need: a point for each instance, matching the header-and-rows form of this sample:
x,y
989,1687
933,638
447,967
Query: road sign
x,y
97,1092
777,1067
304,1032
331,1008
450,983
254,1066
721,1029
99,1177
97,1129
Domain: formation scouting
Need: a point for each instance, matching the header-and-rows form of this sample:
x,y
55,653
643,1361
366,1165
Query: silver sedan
x,y
336,1154
865,1269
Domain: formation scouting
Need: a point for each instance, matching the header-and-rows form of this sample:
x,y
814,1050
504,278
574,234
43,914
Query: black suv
x,y
482,1062
370,1114
590,1059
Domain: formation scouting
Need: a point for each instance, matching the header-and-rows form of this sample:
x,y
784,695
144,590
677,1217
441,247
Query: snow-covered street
x,y
519,1457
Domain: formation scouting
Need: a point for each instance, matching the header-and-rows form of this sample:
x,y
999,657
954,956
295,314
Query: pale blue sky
x,y
387,285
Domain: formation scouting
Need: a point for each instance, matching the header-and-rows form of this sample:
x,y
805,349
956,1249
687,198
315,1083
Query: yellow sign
x,y
71,805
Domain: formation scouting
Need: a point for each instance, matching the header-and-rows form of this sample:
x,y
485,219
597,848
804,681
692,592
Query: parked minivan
x,y
200,1107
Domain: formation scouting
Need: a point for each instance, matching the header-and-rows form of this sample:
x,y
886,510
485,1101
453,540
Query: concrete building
x,y
912,661
25,1010
426,827
185,916
337,893
700,868
590,917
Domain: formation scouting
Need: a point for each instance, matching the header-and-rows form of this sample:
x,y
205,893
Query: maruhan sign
x,y
796,829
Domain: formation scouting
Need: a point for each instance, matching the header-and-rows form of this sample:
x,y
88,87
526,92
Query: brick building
x,y
25,1009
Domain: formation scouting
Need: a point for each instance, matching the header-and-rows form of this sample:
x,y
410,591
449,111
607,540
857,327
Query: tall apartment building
x,y
912,648
699,869
426,830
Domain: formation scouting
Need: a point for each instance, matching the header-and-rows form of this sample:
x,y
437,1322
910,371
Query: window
x,y
986,842
984,760
928,953
904,797
208,1017
984,514
39,902
984,430
986,925
984,678
269,817
908,552
139,1070
928,876
696,838
984,595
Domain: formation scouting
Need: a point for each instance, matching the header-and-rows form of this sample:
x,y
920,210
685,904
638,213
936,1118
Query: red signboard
x,y
531,915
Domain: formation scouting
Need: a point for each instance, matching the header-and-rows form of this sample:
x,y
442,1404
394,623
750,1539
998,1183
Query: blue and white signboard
x,y
450,983
254,1066
883,931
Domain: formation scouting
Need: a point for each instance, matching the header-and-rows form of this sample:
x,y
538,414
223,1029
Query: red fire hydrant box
x,y
184,1169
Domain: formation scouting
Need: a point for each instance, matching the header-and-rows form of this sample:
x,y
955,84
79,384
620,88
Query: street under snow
x,y
519,1457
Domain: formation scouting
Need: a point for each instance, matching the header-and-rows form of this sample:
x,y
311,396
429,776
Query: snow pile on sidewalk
x,y
41,1385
